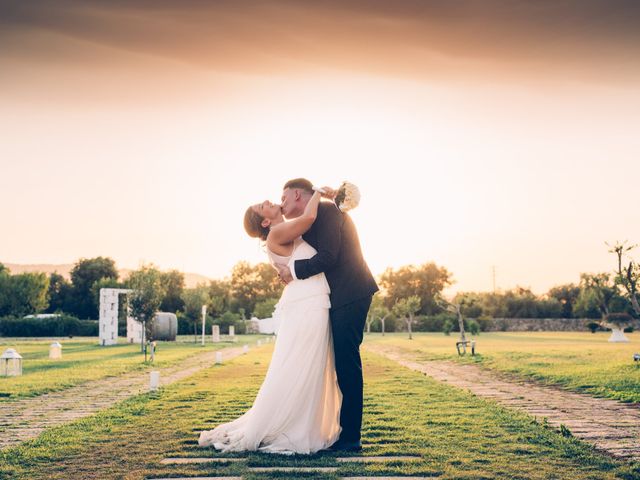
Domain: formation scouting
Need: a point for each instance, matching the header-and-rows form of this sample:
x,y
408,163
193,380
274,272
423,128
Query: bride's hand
x,y
284,273
328,192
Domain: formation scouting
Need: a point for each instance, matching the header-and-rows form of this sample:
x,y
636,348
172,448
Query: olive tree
x,y
378,311
146,297
406,308
628,275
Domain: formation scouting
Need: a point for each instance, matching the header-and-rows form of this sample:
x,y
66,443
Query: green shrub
x,y
62,326
486,323
390,324
433,323
186,325
240,327
473,326
593,326
447,327
227,319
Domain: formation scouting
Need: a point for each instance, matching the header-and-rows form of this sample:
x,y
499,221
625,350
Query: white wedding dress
x,y
297,409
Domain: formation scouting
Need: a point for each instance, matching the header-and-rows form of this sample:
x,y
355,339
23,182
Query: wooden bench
x,y
464,345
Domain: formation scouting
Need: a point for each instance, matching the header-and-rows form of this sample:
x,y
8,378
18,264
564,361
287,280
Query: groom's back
x,y
349,276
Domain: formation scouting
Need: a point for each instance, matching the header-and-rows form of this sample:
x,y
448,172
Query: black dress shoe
x,y
344,446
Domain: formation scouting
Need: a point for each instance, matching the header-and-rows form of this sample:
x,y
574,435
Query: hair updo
x,y
253,225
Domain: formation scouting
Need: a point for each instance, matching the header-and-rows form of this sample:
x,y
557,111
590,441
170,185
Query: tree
x,y
265,308
549,308
193,299
521,303
23,294
378,311
586,305
145,298
470,303
221,291
251,284
567,295
406,308
5,279
85,273
425,281
455,307
59,293
494,304
228,319
173,285
598,290
627,275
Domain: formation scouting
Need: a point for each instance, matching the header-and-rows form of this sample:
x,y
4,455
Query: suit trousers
x,y
347,324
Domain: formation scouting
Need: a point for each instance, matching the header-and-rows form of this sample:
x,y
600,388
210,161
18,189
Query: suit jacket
x,y
339,256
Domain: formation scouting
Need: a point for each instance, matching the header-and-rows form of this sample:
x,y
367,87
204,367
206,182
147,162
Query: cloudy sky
x,y
481,133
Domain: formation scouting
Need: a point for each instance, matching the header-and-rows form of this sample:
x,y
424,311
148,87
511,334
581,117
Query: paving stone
x,y
186,460
386,478
293,469
379,459
198,478
610,426
29,417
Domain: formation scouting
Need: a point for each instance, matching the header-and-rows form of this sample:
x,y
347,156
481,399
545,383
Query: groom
x,y
339,256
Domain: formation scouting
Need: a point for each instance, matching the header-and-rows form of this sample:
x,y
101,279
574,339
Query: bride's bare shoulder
x,y
280,250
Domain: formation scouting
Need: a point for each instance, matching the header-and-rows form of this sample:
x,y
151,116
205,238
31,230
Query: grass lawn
x,y
578,361
83,359
455,435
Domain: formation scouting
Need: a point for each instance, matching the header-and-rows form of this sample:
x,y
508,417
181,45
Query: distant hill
x,y
190,279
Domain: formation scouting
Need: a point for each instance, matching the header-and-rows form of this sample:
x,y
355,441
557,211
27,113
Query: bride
x,y
297,409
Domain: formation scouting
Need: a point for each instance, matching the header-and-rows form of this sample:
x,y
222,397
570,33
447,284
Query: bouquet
x,y
347,197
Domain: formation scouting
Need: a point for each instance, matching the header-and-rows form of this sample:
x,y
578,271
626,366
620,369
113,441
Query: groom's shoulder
x,y
328,215
328,209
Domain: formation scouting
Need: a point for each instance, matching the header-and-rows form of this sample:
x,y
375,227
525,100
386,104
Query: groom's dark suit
x,y
339,256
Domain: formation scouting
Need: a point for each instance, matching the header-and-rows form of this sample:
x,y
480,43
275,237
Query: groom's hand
x,y
285,274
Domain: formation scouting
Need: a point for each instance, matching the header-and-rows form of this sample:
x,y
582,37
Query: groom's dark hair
x,y
301,183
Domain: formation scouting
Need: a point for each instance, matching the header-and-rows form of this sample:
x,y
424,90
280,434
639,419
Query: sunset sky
x,y
481,133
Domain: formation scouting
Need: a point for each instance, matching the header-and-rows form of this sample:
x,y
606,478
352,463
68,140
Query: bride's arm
x,y
287,232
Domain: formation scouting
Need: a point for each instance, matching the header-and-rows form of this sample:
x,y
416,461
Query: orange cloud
x,y
460,38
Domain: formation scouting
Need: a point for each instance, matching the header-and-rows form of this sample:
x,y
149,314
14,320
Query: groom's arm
x,y
329,234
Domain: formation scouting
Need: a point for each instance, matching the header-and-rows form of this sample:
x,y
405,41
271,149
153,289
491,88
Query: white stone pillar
x,y
154,381
215,333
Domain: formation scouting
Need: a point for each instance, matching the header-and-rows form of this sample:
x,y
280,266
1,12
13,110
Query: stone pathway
x,y
27,418
293,470
610,426
371,459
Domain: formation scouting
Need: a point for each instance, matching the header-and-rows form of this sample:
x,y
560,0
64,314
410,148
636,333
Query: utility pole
x,y
204,318
493,272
